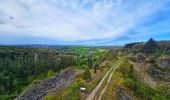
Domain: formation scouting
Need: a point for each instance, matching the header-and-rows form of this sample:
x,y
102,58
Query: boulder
x,y
163,62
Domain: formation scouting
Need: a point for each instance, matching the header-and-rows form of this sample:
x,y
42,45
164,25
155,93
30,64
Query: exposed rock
x,y
38,89
163,62
160,72
122,95
163,45
140,57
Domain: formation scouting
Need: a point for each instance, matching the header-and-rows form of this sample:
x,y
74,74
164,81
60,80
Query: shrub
x,y
51,73
87,74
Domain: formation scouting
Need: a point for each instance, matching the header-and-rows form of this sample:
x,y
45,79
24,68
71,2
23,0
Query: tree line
x,y
20,66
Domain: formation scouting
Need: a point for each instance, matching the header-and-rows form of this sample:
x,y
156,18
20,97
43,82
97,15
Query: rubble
x,y
38,89
122,95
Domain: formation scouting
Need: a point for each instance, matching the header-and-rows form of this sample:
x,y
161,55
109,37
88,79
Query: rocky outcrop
x,y
122,95
162,45
139,57
163,62
160,71
40,88
159,74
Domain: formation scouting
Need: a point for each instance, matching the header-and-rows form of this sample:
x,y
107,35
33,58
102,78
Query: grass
x,y
103,84
80,49
125,78
117,80
69,93
96,79
139,89
72,92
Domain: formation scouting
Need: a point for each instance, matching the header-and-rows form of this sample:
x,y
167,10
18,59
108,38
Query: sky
x,y
83,22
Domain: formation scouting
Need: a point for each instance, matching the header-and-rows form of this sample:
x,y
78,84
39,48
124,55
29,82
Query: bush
x,y
87,74
141,90
158,97
51,73
49,97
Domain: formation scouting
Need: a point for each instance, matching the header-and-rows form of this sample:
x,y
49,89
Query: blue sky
x,y
83,22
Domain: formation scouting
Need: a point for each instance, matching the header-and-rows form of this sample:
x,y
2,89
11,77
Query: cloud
x,y
79,20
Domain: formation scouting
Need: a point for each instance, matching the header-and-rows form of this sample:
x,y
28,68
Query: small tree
x,y
90,62
87,74
51,73
95,68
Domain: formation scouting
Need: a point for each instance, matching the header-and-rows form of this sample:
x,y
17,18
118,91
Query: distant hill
x,y
163,46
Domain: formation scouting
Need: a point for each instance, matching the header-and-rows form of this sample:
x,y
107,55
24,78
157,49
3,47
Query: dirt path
x,y
95,90
108,81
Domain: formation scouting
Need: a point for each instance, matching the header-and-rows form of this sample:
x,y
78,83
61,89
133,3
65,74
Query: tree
x,y
90,62
95,68
150,46
87,74
51,73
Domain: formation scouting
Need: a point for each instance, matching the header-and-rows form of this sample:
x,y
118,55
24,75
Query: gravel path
x,y
96,89
108,81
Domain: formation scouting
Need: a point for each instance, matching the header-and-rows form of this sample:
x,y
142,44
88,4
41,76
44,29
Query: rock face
x,y
160,75
139,57
122,95
163,62
38,89
161,71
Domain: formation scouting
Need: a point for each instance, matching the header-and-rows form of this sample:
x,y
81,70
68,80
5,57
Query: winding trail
x,y
96,89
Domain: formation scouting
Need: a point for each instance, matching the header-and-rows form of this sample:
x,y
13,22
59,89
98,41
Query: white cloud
x,y
74,20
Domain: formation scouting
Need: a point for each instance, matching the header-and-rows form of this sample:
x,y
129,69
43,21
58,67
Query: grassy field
x,y
79,49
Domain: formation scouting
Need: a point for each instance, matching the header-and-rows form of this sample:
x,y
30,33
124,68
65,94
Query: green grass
x,y
71,92
102,86
141,90
91,85
80,49
7,96
117,80
125,78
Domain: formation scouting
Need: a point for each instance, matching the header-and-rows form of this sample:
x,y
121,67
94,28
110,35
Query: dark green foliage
x,y
87,74
133,47
140,89
95,68
145,92
150,46
90,62
19,66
